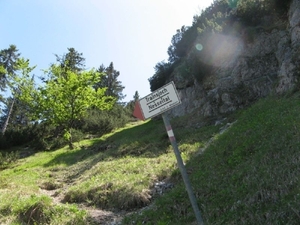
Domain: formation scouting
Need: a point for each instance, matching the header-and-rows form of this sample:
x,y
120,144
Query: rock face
x,y
245,67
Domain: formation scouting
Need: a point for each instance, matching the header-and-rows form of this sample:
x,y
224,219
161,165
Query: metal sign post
x,y
157,103
182,169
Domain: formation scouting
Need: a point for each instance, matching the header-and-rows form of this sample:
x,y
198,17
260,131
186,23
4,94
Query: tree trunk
x,y
71,145
8,117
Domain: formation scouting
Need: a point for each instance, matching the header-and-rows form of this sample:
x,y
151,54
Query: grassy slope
x,y
247,175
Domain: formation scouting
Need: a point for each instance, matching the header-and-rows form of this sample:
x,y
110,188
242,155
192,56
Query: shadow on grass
x,y
146,140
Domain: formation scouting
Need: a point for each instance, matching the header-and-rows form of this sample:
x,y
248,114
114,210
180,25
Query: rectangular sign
x,y
159,101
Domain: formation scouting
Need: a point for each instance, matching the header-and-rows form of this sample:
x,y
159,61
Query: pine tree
x,y
19,79
8,58
72,61
111,82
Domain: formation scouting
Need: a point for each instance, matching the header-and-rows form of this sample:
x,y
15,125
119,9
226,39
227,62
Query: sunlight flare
x,y
220,50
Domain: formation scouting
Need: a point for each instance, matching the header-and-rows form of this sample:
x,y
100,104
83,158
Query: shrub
x,y
102,122
7,158
163,71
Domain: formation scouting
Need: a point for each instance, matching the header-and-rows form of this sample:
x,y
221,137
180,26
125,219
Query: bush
x,y
16,137
162,72
102,122
23,135
7,158
252,12
4,143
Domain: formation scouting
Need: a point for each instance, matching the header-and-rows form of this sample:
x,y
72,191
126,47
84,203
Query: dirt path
x,y
96,216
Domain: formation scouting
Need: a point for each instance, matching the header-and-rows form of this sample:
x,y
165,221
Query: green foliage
x,y
15,67
178,46
15,137
8,58
66,97
252,12
110,81
129,107
101,122
162,72
72,60
62,101
2,78
18,113
2,70
7,158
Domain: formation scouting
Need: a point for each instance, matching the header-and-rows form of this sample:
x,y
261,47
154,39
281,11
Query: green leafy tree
x,y
67,96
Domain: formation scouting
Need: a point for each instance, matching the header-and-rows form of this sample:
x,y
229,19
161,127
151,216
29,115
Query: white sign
x,y
159,101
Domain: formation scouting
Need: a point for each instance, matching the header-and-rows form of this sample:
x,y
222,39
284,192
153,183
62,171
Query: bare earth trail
x,y
96,216
106,217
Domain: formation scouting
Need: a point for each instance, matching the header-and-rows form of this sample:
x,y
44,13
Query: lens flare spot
x,y
199,47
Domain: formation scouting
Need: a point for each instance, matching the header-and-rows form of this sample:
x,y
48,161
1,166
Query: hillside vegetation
x,y
244,167
244,170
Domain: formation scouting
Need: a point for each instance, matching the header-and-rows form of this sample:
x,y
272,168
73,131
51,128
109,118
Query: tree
x,y
110,80
72,60
2,79
15,116
20,79
8,58
66,97
163,71
14,67
136,96
176,50
130,105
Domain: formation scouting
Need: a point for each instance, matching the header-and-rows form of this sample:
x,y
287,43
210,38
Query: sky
x,y
133,34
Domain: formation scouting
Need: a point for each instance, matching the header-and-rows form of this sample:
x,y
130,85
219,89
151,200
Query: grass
x,y
246,175
116,171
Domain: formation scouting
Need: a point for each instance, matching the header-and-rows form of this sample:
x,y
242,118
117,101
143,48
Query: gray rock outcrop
x,y
243,70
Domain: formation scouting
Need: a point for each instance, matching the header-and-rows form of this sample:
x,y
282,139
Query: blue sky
x,y
133,34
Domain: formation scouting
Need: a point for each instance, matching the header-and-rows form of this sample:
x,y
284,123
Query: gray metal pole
x,y
182,169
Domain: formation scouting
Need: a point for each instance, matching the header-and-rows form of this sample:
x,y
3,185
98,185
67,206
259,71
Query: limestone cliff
x,y
245,67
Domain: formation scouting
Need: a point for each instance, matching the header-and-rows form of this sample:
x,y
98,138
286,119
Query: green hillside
x,y
244,170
